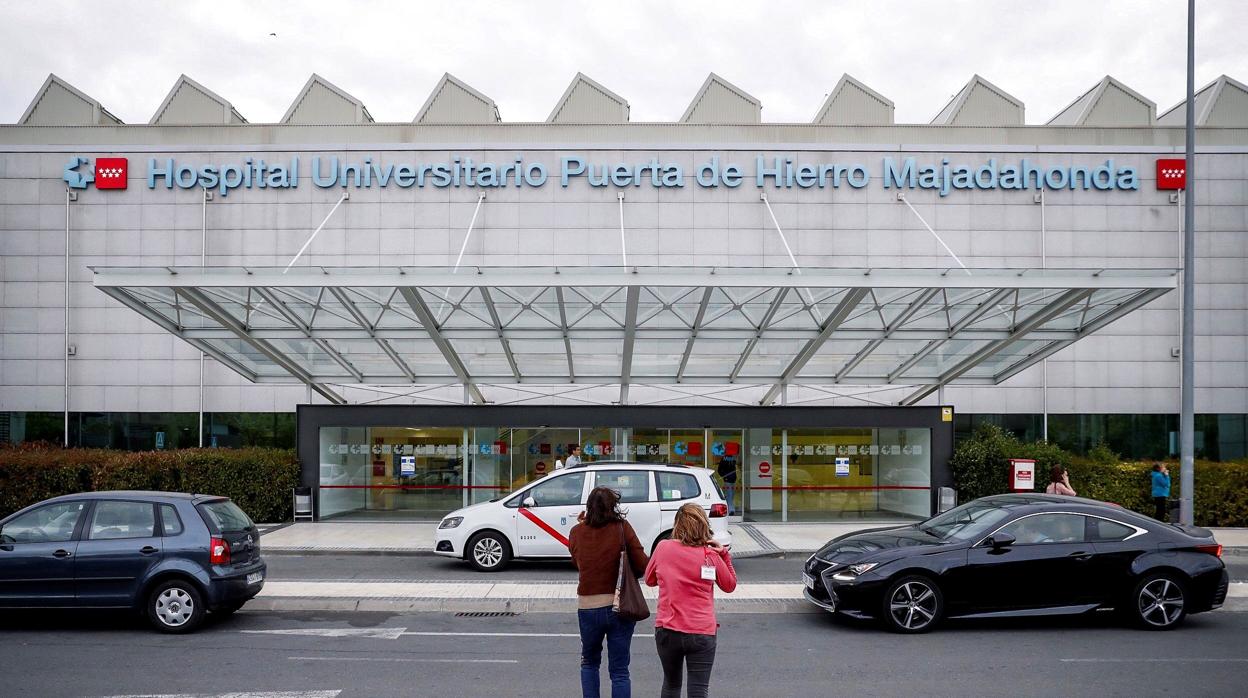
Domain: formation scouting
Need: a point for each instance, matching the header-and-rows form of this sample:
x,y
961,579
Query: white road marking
x,y
455,634
1151,660
240,694
407,659
762,591
381,633
1237,589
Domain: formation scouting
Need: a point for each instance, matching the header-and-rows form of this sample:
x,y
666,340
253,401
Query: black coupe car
x,y
1020,554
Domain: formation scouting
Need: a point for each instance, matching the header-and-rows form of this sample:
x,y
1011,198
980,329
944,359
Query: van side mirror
x,y
1001,540
528,502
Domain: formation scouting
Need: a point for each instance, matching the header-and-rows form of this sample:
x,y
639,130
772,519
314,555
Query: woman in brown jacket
x,y
595,545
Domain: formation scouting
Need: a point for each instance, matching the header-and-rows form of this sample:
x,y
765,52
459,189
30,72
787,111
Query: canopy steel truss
x,y
549,326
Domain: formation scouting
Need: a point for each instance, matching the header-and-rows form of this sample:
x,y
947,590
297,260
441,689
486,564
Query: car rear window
x,y
225,516
676,486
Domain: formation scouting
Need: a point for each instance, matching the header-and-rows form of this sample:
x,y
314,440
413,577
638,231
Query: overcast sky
x,y
654,53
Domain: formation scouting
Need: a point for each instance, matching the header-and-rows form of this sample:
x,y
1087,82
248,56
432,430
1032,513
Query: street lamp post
x,y
1187,352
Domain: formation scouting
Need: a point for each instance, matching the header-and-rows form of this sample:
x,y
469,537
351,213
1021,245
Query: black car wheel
x,y
489,551
175,606
912,604
1159,601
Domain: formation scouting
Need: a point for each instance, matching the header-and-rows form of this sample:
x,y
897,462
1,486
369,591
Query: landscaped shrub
x,y
258,479
981,467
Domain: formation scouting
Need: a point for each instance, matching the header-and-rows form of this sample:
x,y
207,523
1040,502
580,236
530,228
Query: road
x,y
352,655
431,654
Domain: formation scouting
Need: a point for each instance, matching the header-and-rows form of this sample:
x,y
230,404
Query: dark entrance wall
x,y
310,419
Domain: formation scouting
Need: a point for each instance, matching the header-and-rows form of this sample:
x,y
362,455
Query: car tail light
x,y
719,510
219,552
1214,550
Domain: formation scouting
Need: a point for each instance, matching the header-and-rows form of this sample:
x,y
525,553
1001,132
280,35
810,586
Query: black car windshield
x,y
966,522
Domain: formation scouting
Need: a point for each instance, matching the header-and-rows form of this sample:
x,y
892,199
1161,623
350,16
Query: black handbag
x,y
629,604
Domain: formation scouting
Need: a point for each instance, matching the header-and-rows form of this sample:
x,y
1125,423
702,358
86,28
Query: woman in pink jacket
x,y
686,569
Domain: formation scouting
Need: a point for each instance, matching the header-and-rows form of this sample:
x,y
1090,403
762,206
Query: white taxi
x,y
535,520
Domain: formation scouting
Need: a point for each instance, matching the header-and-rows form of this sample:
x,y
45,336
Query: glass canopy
x,y
475,326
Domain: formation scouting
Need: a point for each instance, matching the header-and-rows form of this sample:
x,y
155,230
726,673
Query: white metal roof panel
x,y
720,102
58,103
189,102
453,101
853,103
981,103
588,102
322,102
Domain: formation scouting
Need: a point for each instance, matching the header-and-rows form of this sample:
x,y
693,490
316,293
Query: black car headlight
x,y
451,522
852,572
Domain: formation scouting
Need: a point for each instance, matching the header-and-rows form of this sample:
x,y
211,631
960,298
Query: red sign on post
x,y
1172,173
1022,475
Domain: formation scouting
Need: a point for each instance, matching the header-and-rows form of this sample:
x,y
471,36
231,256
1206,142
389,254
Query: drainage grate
x,y
485,614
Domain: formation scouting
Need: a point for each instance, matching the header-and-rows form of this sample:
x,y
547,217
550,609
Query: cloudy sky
x,y
655,53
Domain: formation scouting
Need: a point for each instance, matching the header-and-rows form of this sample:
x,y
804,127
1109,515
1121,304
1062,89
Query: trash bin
x,y
948,500
305,508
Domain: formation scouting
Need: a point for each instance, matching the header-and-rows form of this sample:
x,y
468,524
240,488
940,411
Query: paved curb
x,y
279,604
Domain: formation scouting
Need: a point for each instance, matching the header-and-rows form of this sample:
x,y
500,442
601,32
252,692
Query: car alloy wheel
x,y
913,605
1160,602
489,552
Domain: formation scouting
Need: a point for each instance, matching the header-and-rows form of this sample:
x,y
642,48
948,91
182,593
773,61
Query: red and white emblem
x,y
1172,173
111,173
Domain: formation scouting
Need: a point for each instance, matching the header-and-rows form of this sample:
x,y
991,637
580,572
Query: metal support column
x,y
69,196
1187,450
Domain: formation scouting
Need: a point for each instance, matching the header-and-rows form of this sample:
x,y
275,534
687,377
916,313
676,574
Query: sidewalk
x,y
416,538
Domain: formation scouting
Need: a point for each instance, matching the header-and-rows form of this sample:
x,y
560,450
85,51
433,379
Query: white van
x,y
535,520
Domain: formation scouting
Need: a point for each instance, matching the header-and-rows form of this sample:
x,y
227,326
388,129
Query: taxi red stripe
x,y
544,526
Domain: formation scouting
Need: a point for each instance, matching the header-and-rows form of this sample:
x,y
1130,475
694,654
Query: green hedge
x,y
258,479
981,466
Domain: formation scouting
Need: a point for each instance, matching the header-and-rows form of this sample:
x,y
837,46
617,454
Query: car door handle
x,y
148,550
62,553
1081,556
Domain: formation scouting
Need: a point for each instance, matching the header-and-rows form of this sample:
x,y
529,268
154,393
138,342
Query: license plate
x,y
809,581
255,578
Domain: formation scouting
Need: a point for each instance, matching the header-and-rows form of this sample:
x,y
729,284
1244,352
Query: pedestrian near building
x,y
595,545
1161,490
686,569
574,457
728,471
1059,482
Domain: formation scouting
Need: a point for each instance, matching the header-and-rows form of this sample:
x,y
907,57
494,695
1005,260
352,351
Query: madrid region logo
x,y
108,173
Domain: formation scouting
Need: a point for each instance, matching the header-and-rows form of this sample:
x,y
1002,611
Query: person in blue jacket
x,y
1161,490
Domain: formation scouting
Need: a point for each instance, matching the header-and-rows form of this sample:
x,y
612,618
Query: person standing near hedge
x,y
1161,490
1059,482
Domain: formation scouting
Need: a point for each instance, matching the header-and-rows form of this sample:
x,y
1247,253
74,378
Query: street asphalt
x,y
355,655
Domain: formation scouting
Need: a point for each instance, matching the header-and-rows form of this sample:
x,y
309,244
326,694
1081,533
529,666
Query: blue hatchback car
x,y
174,557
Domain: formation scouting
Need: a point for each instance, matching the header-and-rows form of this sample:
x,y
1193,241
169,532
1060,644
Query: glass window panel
x,y
53,523
1047,528
676,486
632,485
116,520
170,522
560,490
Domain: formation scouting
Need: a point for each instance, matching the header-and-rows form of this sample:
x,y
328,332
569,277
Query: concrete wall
x,y
125,363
